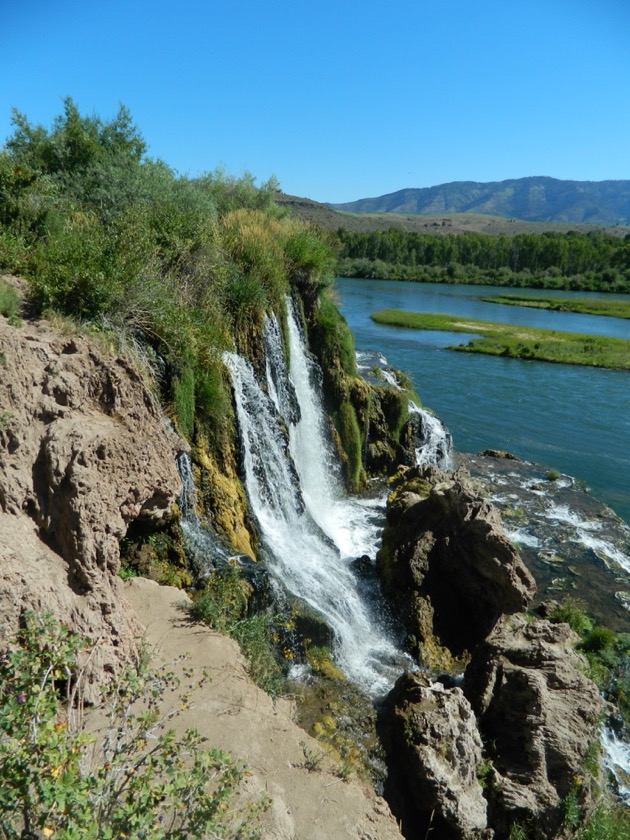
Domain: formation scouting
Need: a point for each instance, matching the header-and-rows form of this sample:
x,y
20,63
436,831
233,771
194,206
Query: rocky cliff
x,y
86,454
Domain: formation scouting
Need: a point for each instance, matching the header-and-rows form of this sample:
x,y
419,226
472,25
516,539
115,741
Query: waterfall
x,y
617,762
203,547
311,534
351,524
434,444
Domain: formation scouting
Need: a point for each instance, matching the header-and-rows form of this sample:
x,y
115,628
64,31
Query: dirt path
x,y
235,715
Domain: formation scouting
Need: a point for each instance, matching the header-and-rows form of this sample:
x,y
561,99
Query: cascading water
x,y
311,537
203,547
617,762
354,525
434,441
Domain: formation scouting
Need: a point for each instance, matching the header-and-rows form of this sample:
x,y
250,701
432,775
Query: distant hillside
x,y
442,223
537,199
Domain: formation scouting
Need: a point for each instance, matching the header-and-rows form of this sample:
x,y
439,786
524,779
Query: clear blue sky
x,y
340,99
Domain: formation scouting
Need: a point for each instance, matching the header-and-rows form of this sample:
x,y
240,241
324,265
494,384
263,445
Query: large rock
x,y
539,715
435,751
446,561
84,451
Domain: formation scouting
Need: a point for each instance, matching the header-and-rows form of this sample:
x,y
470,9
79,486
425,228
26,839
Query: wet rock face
x,y
84,451
539,714
431,732
446,562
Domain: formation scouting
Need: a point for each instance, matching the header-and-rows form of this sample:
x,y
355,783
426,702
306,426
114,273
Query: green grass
x,y
518,342
585,306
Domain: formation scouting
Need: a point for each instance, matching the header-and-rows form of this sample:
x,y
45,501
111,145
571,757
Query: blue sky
x,y
340,99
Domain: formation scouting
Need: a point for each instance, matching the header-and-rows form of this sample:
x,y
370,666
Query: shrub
x,y
572,613
9,301
608,822
598,640
140,782
224,605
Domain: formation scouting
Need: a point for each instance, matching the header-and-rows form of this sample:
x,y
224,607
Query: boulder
x,y
446,562
435,751
539,715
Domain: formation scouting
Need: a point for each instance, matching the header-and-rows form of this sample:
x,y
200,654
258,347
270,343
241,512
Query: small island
x,y
516,341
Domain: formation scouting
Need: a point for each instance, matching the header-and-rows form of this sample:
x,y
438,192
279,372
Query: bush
x,y
224,605
572,613
608,822
141,782
9,301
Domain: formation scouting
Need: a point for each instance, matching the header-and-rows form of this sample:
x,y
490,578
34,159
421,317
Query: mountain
x,y
539,199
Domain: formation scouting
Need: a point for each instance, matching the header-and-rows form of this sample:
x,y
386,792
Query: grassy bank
x,y
585,306
518,342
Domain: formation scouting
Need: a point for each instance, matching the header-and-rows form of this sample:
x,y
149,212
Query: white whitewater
x,y
349,523
435,444
617,762
585,533
311,533
436,448
204,549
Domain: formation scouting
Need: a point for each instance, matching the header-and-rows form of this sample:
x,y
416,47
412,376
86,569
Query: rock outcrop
x,y
84,452
539,716
457,581
432,732
446,562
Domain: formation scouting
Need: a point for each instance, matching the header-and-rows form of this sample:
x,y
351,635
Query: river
x,y
573,419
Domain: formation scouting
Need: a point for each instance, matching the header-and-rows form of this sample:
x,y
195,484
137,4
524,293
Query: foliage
x,y
141,782
184,400
608,822
593,261
607,653
572,612
224,606
185,267
9,301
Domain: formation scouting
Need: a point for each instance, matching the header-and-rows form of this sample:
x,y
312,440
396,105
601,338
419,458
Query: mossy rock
x,y
224,500
427,647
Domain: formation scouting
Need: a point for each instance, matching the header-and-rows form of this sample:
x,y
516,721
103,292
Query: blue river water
x,y
573,419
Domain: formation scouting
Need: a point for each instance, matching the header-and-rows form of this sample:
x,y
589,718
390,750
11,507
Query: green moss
x,y
320,660
395,408
184,401
332,339
350,434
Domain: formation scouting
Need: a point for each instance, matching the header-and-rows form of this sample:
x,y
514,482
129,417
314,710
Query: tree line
x,y
594,260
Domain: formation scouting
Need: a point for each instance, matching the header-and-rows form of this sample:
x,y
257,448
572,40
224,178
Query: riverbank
x,y
517,342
